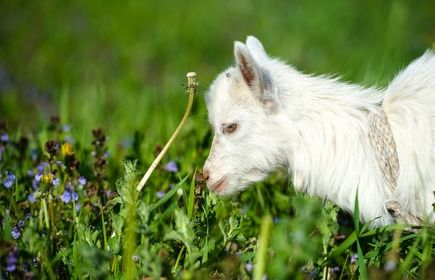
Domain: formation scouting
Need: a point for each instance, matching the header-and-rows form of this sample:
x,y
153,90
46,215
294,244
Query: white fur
x,y
317,128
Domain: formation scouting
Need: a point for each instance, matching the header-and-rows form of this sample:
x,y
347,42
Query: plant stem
x,y
192,86
263,240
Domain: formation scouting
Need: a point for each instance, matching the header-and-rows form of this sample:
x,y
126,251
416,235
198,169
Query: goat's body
x,y
319,128
331,155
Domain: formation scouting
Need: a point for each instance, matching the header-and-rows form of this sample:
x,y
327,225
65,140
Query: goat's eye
x,y
230,128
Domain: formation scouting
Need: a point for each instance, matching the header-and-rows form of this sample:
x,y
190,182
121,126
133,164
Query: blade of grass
x,y
263,240
169,194
191,199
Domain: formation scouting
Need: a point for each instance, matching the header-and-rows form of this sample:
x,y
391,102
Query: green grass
x,y
121,66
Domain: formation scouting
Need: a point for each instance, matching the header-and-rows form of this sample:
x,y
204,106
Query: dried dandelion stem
x,y
191,90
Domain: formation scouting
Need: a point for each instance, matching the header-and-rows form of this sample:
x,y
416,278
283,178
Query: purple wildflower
x,y
171,166
353,258
78,207
20,224
82,181
66,196
15,233
38,177
74,196
108,193
336,269
4,137
390,265
11,261
160,194
55,181
31,198
69,195
35,184
9,181
66,128
249,267
41,167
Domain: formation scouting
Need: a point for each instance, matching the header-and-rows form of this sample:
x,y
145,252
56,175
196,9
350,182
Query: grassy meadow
x,y
91,90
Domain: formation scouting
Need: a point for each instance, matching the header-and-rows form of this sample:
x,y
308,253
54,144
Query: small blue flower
x,y
15,233
66,196
20,224
35,184
108,193
160,194
106,155
390,265
11,267
74,196
9,181
171,166
249,267
55,181
353,258
82,181
41,167
66,128
4,137
30,173
78,207
69,195
38,177
11,261
31,198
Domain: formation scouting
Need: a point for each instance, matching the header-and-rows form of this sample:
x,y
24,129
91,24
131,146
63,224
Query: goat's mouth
x,y
219,185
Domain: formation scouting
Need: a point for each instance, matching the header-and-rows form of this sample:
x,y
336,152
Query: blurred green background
x,y
120,65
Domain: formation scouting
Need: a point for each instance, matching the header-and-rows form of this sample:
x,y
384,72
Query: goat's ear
x,y
254,76
256,49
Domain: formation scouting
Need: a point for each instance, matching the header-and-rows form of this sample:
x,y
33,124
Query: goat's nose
x,y
206,174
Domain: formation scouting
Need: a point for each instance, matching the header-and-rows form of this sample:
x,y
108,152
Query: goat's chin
x,y
230,189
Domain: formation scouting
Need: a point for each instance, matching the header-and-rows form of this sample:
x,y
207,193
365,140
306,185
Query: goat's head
x,y
243,107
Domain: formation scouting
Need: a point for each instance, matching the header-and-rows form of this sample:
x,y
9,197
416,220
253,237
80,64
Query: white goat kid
x,y
267,115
